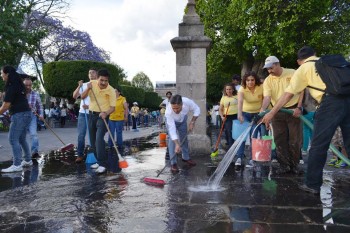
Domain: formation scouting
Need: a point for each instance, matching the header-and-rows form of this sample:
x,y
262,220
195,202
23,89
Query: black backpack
x,y
334,71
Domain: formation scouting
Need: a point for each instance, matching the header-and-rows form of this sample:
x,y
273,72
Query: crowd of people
x,y
103,108
288,89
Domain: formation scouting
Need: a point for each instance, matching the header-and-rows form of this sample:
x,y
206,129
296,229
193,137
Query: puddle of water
x,y
58,164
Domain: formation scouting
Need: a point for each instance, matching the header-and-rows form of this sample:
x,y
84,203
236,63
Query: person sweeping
x,y
176,114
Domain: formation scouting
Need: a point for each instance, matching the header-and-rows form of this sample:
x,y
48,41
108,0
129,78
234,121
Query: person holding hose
x,y
176,119
333,111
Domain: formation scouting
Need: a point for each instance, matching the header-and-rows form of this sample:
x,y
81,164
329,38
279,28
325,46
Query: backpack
x,y
334,71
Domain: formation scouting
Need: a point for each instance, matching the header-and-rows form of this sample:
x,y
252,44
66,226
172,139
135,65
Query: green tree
x,y
245,32
141,80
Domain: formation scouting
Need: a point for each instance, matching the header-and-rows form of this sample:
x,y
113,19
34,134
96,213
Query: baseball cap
x,y
135,103
270,60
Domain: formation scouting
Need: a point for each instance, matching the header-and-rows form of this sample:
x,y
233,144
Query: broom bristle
x,y
123,164
67,147
91,158
214,154
154,181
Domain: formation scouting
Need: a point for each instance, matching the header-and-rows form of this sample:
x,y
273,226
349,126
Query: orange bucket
x,y
261,148
162,139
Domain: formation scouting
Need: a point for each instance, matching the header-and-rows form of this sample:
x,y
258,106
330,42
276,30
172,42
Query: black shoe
x,y
35,155
189,162
174,168
305,188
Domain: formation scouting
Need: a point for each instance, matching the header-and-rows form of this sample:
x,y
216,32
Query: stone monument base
x,y
199,144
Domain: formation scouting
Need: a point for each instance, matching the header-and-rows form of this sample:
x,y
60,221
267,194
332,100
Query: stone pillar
x,y
191,47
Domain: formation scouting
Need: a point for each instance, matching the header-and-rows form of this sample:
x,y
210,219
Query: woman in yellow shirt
x,y
250,97
229,100
116,120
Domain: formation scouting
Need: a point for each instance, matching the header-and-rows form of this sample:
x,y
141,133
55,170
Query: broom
x,y
160,182
122,161
216,148
90,157
65,147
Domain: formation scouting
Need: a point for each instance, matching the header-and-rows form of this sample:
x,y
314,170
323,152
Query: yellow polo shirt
x,y
105,97
135,111
275,86
118,114
252,101
304,76
233,104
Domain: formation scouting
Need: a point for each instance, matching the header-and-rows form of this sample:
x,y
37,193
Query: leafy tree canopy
x,y
141,80
245,32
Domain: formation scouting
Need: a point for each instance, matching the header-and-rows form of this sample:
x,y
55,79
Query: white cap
x,y
135,103
270,61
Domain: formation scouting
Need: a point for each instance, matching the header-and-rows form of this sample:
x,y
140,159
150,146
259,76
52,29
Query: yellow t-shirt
x,y
135,111
252,101
118,114
304,76
275,86
233,104
105,97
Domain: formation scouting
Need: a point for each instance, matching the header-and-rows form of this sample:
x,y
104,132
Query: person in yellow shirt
x,y
102,104
287,129
117,119
250,97
229,100
134,115
333,111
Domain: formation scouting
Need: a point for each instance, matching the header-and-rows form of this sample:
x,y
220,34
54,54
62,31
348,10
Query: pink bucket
x,y
261,148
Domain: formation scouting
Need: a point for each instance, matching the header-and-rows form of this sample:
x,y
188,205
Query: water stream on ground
x,y
215,178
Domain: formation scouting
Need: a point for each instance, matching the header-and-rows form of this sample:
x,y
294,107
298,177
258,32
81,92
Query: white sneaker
x,y
250,164
27,164
274,161
13,168
94,166
101,169
301,161
238,162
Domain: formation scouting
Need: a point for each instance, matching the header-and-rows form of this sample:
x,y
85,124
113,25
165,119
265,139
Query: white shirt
x,y
171,117
85,101
216,109
166,101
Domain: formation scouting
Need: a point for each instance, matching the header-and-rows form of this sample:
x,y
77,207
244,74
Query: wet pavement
x,y
57,195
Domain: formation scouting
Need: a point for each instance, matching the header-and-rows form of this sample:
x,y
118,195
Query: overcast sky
x,y
136,32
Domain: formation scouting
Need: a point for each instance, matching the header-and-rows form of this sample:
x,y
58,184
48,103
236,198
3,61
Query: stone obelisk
x,y
191,47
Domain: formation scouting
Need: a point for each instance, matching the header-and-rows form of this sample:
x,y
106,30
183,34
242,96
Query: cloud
x,y
136,32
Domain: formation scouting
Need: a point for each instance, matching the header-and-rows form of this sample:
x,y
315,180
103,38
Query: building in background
x,y
162,87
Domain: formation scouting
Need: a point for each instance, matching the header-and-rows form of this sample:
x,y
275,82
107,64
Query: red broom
x,y
160,182
66,147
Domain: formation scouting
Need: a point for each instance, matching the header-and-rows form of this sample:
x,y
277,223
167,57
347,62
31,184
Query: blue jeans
x,y
97,132
228,129
334,111
32,129
116,127
17,136
82,127
182,132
